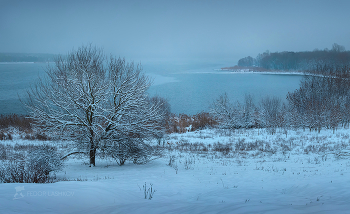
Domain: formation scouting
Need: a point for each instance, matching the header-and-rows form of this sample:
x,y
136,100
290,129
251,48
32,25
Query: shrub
x,y
224,148
316,148
40,136
29,137
30,166
183,122
14,120
43,160
4,136
192,147
203,120
259,145
2,152
285,147
129,149
37,136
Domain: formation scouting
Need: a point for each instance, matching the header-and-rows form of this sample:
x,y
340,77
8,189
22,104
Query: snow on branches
x,y
93,100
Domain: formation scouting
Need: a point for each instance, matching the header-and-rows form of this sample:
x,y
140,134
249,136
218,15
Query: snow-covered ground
x,y
288,172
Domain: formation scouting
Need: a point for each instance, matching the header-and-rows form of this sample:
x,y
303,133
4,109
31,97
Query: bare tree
x,y
228,115
165,109
96,102
249,119
270,112
338,48
320,102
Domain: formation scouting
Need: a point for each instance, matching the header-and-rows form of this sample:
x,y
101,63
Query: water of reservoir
x,y
189,86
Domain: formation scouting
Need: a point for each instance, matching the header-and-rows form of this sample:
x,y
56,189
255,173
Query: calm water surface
x,y
189,86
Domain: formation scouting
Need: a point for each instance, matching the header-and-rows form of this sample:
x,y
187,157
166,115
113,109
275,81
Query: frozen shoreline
x,y
241,71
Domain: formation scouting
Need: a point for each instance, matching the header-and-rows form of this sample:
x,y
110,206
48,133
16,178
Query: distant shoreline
x,y
263,72
17,62
26,57
23,62
259,70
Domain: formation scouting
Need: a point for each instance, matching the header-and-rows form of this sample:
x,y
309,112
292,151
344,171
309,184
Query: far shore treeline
x,y
299,61
26,57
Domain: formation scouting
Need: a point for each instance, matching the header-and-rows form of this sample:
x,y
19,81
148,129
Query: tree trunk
x,y
92,155
92,148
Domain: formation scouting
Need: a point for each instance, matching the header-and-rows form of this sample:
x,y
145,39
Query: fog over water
x,y
182,29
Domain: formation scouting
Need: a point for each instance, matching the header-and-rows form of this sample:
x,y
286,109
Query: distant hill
x,y
26,57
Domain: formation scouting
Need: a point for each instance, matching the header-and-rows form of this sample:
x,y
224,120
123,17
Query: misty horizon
x,y
155,29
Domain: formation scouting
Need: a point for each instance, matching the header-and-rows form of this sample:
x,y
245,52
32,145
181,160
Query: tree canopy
x,y
101,104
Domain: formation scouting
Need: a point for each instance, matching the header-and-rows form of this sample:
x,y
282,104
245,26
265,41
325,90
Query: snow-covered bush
x,y
192,147
258,145
43,160
224,148
13,172
128,149
5,136
183,123
18,121
33,166
2,152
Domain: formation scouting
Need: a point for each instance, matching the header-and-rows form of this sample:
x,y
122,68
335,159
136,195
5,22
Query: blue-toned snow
x,y
243,182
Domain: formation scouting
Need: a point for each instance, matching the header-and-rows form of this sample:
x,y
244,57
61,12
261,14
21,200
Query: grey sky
x,y
174,29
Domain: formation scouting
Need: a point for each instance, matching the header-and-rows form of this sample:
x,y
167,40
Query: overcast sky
x,y
175,28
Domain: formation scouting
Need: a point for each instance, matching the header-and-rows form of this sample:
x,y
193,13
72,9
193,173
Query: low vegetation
x,y
28,163
22,122
183,123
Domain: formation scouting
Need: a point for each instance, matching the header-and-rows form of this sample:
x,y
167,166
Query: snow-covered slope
x,y
310,176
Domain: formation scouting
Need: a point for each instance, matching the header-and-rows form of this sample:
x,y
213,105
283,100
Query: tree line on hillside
x,y
305,60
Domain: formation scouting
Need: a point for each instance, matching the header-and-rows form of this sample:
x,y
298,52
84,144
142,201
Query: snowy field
x,y
208,171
